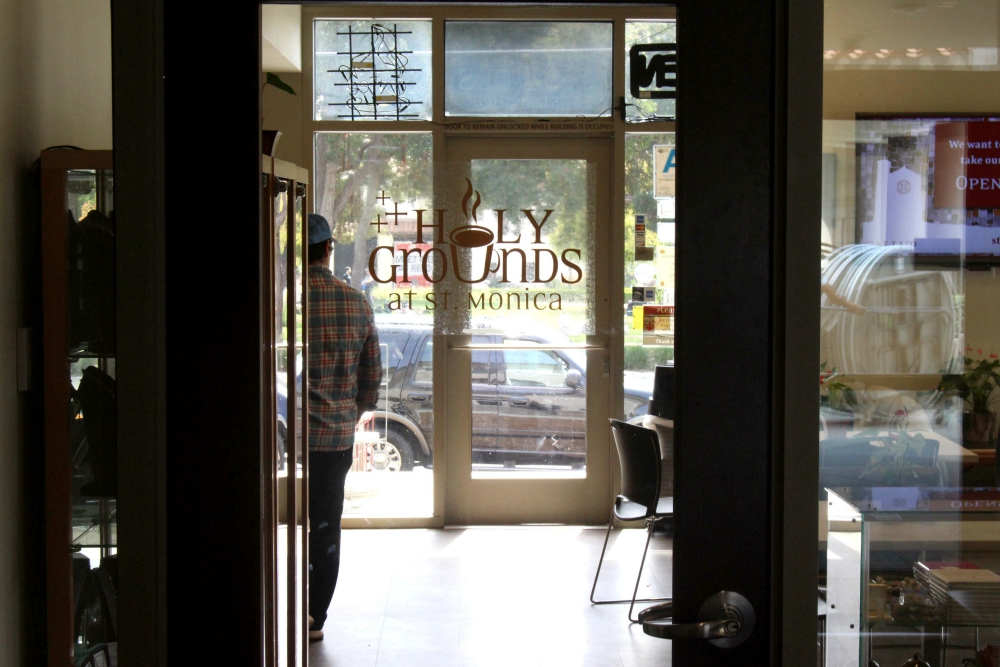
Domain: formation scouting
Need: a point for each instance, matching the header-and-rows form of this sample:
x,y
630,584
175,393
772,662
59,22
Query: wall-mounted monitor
x,y
931,182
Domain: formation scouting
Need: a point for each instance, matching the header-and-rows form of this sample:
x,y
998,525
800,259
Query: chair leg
x,y
649,536
634,599
599,564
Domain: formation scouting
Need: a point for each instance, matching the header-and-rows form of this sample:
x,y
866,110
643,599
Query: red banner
x,y
967,165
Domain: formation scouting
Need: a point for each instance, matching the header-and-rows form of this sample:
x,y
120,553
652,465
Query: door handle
x,y
518,401
418,398
726,619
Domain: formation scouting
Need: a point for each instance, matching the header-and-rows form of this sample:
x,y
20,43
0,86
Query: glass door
x,y
529,388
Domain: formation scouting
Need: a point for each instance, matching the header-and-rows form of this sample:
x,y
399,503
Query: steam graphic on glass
x,y
471,235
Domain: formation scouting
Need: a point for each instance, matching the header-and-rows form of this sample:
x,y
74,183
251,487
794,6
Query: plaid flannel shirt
x,y
345,366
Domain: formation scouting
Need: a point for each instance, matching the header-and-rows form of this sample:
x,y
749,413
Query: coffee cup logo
x,y
471,235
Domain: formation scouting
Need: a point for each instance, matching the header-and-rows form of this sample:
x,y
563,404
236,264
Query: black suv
x,y
529,406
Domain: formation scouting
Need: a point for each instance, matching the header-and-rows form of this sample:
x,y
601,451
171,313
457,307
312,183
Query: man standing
x,y
344,374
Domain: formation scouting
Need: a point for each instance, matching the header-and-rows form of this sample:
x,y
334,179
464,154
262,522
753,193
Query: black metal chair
x,y
639,500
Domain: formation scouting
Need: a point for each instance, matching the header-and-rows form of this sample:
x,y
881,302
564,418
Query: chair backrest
x,y
639,454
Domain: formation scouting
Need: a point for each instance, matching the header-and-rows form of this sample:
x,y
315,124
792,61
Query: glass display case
x,y
283,207
912,570
79,340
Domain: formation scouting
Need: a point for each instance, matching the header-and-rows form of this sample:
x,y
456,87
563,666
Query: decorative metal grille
x,y
375,75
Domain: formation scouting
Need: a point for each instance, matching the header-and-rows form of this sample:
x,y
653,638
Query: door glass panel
x,y
537,68
296,296
372,70
369,186
286,467
282,292
649,264
529,406
908,493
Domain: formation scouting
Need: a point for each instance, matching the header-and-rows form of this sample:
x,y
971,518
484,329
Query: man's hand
x,y
364,419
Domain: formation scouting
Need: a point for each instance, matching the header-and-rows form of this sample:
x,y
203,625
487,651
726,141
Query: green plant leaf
x,y
275,80
879,456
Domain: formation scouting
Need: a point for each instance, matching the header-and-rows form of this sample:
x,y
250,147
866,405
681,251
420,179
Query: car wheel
x,y
392,454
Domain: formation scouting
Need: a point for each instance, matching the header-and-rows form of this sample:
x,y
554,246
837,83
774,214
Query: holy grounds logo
x,y
471,255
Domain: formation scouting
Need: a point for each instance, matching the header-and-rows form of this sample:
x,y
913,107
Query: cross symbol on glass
x,y
379,224
395,213
382,198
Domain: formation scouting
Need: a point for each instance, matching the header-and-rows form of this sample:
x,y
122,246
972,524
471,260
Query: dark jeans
x,y
327,474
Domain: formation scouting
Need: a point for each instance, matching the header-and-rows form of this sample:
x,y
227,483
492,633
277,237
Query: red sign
x,y
967,165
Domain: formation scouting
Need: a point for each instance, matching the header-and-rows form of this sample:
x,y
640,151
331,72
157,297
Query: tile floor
x,y
491,597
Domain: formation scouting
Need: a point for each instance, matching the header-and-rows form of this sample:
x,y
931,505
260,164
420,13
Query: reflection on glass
x,y
946,36
297,290
372,70
503,68
369,186
908,340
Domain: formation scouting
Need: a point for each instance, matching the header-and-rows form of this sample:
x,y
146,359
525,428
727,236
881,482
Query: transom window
x,y
384,69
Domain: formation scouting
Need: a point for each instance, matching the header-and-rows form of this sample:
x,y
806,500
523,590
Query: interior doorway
x,y
505,350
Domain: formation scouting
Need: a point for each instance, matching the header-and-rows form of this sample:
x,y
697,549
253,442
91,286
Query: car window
x,y
480,362
395,342
535,368
425,363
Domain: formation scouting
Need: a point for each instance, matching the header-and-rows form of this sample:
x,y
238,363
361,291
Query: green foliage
x,y
639,358
976,384
840,395
636,358
275,80
892,463
352,169
537,185
661,355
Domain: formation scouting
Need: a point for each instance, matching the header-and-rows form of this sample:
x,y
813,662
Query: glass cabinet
x,y
81,453
912,570
283,209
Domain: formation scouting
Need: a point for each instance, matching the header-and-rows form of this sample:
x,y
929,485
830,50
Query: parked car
x,y
528,405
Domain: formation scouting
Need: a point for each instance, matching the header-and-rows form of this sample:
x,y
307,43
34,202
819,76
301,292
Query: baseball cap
x,y
319,229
